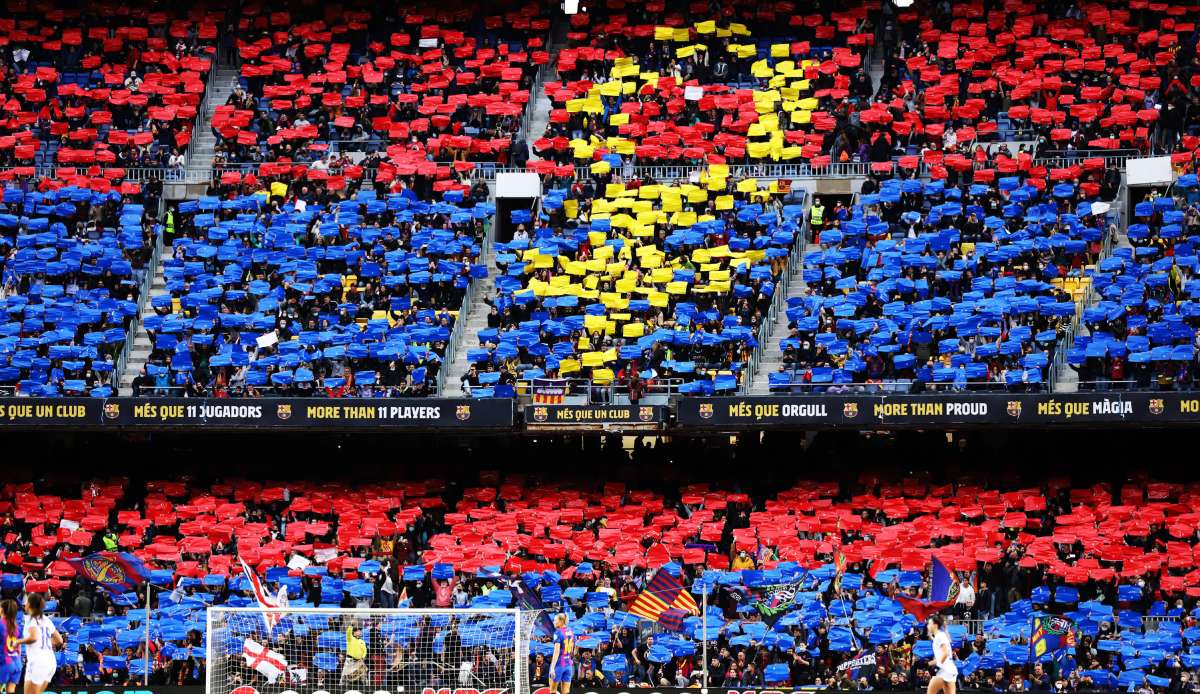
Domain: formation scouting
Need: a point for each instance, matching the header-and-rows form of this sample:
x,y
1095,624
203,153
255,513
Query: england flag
x,y
265,599
264,660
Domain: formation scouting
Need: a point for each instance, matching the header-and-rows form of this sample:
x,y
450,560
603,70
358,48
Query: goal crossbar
x,y
467,650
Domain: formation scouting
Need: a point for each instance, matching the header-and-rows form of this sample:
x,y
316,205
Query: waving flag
x,y
943,594
672,619
266,661
529,600
854,666
1052,635
943,583
773,601
662,593
921,609
116,572
265,599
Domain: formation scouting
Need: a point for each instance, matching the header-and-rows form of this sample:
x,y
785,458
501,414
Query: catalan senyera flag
x,y
663,593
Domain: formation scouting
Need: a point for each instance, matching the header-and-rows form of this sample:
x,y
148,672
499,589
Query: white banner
x,y
862,661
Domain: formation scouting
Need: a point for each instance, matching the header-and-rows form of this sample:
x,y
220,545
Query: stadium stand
x,y
930,285
109,86
1116,558
315,295
677,83
441,82
647,285
1142,331
1038,72
73,265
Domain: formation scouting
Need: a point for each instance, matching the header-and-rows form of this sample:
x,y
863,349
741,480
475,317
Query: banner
x,y
549,391
887,411
596,414
118,689
332,413
861,661
781,689
42,412
962,410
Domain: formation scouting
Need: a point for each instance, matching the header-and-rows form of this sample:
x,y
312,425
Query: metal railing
x,y
143,298
767,170
1101,385
460,323
202,111
489,170
976,626
900,386
1089,297
795,266
271,391
1128,153
604,393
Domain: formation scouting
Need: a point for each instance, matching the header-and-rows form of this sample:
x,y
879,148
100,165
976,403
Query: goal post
x,y
403,651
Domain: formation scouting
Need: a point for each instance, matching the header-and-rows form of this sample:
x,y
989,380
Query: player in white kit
x,y
945,673
41,638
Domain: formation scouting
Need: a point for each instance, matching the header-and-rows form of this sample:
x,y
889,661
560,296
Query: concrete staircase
x,y
1066,380
475,320
875,71
539,120
200,151
140,351
772,356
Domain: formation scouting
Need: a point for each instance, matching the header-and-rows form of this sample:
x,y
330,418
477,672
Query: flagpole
x,y
146,655
704,628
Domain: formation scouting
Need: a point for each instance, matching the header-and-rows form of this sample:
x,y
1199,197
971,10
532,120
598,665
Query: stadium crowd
x,y
72,265
1142,332
959,283
1118,558
646,284
107,85
437,82
367,281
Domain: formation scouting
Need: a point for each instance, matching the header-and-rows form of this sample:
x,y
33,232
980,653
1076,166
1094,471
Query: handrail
x,y
136,324
794,266
1060,357
202,111
1103,384
469,297
892,385
267,391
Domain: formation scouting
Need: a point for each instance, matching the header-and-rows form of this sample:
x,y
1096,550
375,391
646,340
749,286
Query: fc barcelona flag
x,y
1052,635
663,593
117,572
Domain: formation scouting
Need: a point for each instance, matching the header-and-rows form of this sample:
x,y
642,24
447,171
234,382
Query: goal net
x,y
404,651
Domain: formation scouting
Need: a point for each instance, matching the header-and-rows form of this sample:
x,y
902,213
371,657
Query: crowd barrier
x,y
825,411
350,689
489,171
